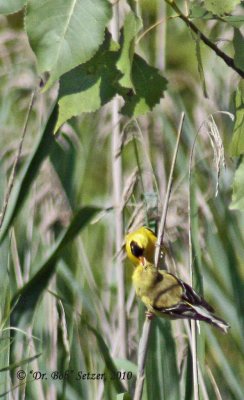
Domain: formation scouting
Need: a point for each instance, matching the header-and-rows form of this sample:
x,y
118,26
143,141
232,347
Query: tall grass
x,y
68,316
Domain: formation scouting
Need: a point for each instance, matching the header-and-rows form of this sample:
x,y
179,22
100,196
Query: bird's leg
x,y
149,315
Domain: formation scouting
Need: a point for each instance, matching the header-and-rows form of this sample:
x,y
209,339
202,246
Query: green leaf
x,y
195,234
125,365
30,293
89,86
221,7
4,294
232,254
237,143
238,43
189,376
65,33
161,365
107,359
31,168
19,363
196,11
11,6
4,313
226,366
237,202
200,65
132,25
124,396
234,20
149,88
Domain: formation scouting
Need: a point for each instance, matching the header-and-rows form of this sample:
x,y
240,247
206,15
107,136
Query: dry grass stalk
x,y
143,345
129,187
217,146
117,193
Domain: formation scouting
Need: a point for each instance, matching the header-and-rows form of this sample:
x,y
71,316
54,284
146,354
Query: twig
x,y
228,60
117,194
17,158
143,345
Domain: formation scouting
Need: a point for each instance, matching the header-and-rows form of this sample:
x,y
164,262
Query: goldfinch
x,y
165,295
141,243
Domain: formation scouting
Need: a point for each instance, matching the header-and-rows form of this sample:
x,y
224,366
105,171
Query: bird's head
x,y
140,245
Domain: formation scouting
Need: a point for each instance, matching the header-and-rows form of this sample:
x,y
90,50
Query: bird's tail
x,y
219,323
204,315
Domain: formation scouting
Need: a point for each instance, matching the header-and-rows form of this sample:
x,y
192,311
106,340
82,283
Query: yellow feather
x,y
157,289
163,293
167,296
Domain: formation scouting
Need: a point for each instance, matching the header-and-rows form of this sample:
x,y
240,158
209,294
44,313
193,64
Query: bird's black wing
x,y
193,297
185,308
180,311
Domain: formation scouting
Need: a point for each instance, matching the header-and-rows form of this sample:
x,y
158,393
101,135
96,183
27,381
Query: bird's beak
x,y
142,260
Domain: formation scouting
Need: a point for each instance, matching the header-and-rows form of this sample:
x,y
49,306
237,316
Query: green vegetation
x,y
98,143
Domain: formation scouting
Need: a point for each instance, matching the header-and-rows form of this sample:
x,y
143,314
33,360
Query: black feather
x,y
136,250
194,298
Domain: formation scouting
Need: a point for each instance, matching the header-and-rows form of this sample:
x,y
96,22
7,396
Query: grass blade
x,y
19,363
30,170
161,367
107,359
30,293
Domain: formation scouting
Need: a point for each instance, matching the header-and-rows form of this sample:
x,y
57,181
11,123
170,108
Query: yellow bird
x,y
141,243
165,295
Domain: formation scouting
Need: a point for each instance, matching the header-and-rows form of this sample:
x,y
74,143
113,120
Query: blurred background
x,y
76,323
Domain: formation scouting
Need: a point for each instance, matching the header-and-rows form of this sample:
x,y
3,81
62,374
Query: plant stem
x,y
194,359
143,345
193,335
142,353
228,60
117,195
167,196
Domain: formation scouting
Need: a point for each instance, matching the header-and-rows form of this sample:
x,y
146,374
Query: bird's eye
x,y
136,250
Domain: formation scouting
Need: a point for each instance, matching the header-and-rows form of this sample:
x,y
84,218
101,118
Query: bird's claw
x,y
149,315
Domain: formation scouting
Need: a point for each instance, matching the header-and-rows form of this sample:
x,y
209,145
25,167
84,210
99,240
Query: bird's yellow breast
x,y
143,280
156,288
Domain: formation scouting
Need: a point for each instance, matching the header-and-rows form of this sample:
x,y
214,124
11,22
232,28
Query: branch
x,y
143,345
228,60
